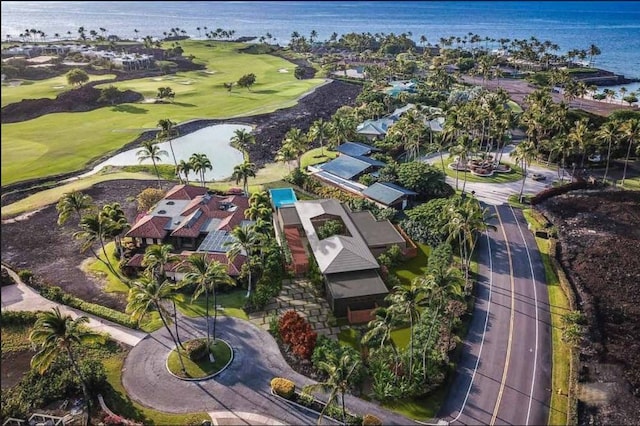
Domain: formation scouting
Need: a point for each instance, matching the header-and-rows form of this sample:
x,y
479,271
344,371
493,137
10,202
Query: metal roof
x,y
386,193
355,148
376,233
346,167
346,285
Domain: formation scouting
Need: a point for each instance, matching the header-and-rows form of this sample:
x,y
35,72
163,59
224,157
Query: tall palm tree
x,y
608,133
285,154
56,334
242,138
631,131
524,153
339,377
298,142
242,172
580,136
96,227
200,163
73,202
408,302
319,129
167,133
380,328
118,223
151,151
244,240
147,295
207,275
155,260
184,167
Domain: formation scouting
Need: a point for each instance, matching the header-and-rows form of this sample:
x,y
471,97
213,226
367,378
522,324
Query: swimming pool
x,y
282,196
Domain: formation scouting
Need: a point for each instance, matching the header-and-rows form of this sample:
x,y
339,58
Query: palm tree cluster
x,y
429,306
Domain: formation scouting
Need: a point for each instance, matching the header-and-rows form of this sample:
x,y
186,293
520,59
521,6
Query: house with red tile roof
x,y
191,219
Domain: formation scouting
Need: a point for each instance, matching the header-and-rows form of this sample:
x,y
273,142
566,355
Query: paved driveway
x,y
243,387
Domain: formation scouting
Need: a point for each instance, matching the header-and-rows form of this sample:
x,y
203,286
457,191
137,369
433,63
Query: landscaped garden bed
x,y
197,362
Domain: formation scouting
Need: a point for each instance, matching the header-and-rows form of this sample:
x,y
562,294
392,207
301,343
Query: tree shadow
x,y
183,104
265,92
129,109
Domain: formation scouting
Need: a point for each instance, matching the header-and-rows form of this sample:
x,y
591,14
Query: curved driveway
x,y
243,387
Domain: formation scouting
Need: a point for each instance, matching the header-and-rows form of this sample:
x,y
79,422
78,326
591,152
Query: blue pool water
x,y
282,197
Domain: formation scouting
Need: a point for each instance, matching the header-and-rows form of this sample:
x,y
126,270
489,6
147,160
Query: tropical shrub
x,y
283,387
371,420
18,318
196,349
297,332
327,348
25,275
148,198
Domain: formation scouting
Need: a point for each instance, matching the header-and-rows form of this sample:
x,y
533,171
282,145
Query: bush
x,y
371,420
283,387
25,275
327,348
149,198
18,318
297,332
196,349
305,399
114,420
6,278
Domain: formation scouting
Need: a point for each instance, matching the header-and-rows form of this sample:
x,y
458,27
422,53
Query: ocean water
x,y
612,26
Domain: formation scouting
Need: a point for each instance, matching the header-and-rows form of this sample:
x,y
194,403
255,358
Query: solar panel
x,y
216,242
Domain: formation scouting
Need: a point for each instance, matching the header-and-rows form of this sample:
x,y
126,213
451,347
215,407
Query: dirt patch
x,y
14,365
599,237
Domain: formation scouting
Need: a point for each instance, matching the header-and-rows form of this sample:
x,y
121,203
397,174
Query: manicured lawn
x,y
232,304
425,408
415,267
317,156
514,175
65,142
561,351
222,353
350,337
119,402
34,89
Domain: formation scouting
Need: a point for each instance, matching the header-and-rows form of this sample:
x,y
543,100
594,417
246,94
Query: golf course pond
x,y
214,141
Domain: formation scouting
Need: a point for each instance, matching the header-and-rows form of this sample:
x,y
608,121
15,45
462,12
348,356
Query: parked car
x,y
538,176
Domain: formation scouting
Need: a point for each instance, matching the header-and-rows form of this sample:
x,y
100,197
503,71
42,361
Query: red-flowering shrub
x,y
297,332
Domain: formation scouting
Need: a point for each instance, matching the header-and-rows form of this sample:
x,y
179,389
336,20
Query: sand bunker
x,y
157,79
283,70
14,83
209,72
57,87
40,59
187,82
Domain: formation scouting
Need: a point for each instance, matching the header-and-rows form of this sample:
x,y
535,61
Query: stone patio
x,y
299,295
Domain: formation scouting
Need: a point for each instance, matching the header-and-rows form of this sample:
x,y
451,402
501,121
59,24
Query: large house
x,y
346,259
191,219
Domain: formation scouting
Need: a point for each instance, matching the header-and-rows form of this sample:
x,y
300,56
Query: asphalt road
x,y
243,387
505,371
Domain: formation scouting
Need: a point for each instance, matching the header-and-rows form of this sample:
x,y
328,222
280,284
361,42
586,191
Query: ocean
x,y
612,26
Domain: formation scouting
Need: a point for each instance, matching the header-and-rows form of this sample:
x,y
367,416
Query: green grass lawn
x,y
561,351
415,267
514,175
232,304
66,142
221,351
35,89
317,156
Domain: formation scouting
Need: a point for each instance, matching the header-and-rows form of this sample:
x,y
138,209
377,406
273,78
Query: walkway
x,y
21,297
301,296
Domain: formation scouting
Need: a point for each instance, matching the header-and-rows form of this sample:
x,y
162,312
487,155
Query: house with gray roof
x,y
387,194
347,258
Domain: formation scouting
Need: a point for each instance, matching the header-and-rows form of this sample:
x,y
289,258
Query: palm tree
x,y
73,202
207,275
408,302
244,240
151,151
242,172
96,227
380,328
340,374
608,133
167,132
318,130
56,334
524,153
298,142
631,131
147,295
184,167
580,136
200,163
156,258
117,223
242,138
285,154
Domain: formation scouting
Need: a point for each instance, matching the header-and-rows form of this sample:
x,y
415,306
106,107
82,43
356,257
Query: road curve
x,y
504,374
